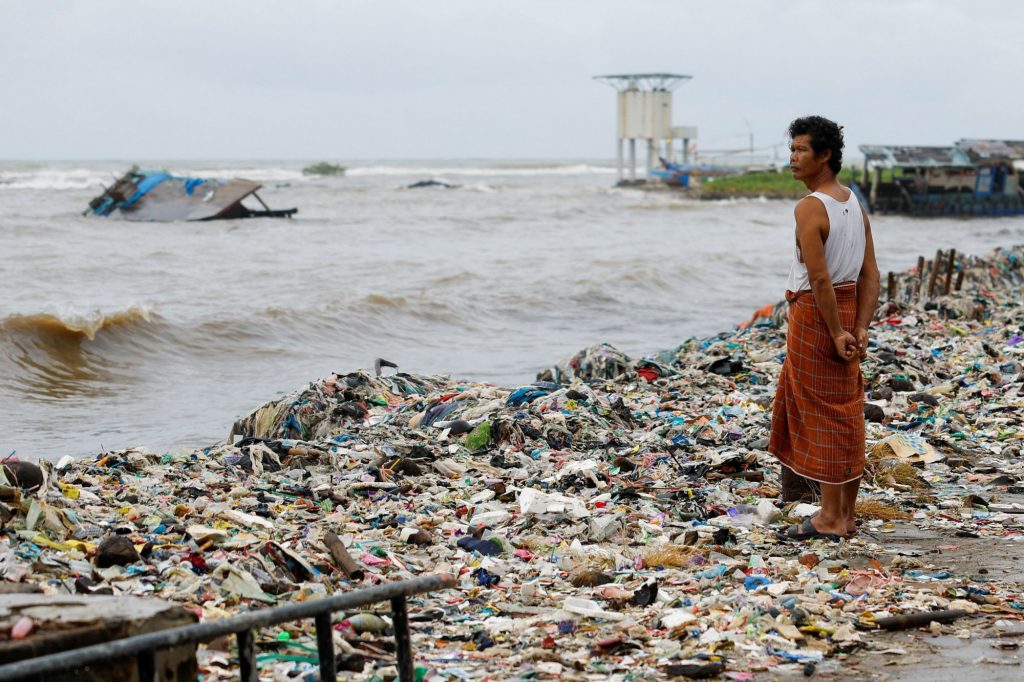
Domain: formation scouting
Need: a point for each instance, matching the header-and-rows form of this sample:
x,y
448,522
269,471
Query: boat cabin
x,y
971,178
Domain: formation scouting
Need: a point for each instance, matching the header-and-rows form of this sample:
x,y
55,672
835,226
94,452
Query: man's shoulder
x,y
809,206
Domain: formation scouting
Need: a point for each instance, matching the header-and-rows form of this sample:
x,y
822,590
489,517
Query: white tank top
x,y
844,247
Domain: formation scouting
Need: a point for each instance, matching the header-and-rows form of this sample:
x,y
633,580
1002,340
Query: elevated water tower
x,y
645,113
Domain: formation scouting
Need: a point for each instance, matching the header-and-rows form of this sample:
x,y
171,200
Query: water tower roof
x,y
644,81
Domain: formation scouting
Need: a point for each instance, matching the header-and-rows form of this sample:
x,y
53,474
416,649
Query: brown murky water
x,y
115,334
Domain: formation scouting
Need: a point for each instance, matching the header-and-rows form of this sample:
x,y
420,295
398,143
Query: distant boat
x,y
971,178
688,174
158,196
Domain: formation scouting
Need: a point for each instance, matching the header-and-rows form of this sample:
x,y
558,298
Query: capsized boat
x,y
158,196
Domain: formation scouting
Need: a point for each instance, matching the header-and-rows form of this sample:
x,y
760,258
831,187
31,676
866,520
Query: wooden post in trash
x,y
246,656
949,272
325,647
342,558
796,488
935,273
921,275
892,287
917,620
960,278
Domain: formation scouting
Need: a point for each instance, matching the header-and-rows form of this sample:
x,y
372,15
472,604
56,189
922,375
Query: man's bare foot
x,y
806,530
839,529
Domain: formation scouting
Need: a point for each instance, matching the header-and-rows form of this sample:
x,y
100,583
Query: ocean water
x,y
115,334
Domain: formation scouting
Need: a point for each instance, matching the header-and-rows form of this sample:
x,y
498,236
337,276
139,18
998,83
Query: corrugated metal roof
x,y
993,150
914,157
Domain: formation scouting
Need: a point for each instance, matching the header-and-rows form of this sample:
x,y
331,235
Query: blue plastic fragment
x,y
191,184
292,423
754,582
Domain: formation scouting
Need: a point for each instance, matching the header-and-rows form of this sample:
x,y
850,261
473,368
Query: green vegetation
x,y
323,168
766,184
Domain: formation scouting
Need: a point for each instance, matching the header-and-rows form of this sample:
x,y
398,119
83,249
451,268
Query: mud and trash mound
x,y
617,517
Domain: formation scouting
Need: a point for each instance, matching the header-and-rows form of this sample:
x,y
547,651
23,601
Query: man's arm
x,y
811,221
867,290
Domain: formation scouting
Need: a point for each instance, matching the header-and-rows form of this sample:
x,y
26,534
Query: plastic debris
x,y
618,514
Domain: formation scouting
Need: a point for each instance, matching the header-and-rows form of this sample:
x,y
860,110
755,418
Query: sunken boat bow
x,y
157,196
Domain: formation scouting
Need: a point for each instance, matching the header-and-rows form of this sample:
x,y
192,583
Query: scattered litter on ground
x,y
616,518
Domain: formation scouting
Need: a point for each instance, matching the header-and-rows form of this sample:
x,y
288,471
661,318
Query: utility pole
x,y
750,132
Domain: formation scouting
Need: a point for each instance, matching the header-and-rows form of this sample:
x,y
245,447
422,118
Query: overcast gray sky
x,y
301,79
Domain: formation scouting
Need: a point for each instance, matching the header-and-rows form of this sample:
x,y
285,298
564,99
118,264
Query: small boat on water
x,y
158,196
688,174
971,178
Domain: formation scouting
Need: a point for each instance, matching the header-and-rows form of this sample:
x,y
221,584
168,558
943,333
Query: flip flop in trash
x,y
805,530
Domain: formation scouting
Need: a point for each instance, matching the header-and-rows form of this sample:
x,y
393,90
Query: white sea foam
x,y
84,178
482,171
479,187
254,173
92,178
77,178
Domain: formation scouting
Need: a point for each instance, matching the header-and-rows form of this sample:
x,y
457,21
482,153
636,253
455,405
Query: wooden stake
x,y
959,279
949,272
935,273
917,620
920,277
892,286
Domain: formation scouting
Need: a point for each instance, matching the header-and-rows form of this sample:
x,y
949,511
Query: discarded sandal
x,y
805,530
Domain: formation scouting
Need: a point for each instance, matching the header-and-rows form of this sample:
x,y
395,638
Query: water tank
x,y
645,114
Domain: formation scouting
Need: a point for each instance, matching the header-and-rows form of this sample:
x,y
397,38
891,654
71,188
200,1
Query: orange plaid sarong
x,y
818,415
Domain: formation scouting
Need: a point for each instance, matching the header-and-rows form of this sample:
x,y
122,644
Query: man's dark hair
x,y
824,134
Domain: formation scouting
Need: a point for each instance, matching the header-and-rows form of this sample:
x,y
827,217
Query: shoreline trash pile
x,y
616,518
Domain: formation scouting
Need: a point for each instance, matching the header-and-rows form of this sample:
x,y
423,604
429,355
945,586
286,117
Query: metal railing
x,y
144,647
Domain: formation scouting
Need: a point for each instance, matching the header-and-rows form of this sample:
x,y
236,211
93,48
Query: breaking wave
x,y
482,171
54,179
82,178
252,173
45,356
384,301
73,328
93,179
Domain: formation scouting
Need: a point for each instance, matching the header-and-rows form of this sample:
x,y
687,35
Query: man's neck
x,y
822,181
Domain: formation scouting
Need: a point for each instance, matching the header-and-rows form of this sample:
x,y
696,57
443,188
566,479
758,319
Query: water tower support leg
x,y
618,156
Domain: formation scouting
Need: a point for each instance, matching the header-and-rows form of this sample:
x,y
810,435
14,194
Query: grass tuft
x,y
672,556
876,509
885,470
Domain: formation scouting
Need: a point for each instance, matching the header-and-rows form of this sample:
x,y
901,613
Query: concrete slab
x,y
63,622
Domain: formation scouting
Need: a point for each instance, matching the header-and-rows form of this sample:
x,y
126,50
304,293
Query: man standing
x,y
818,416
